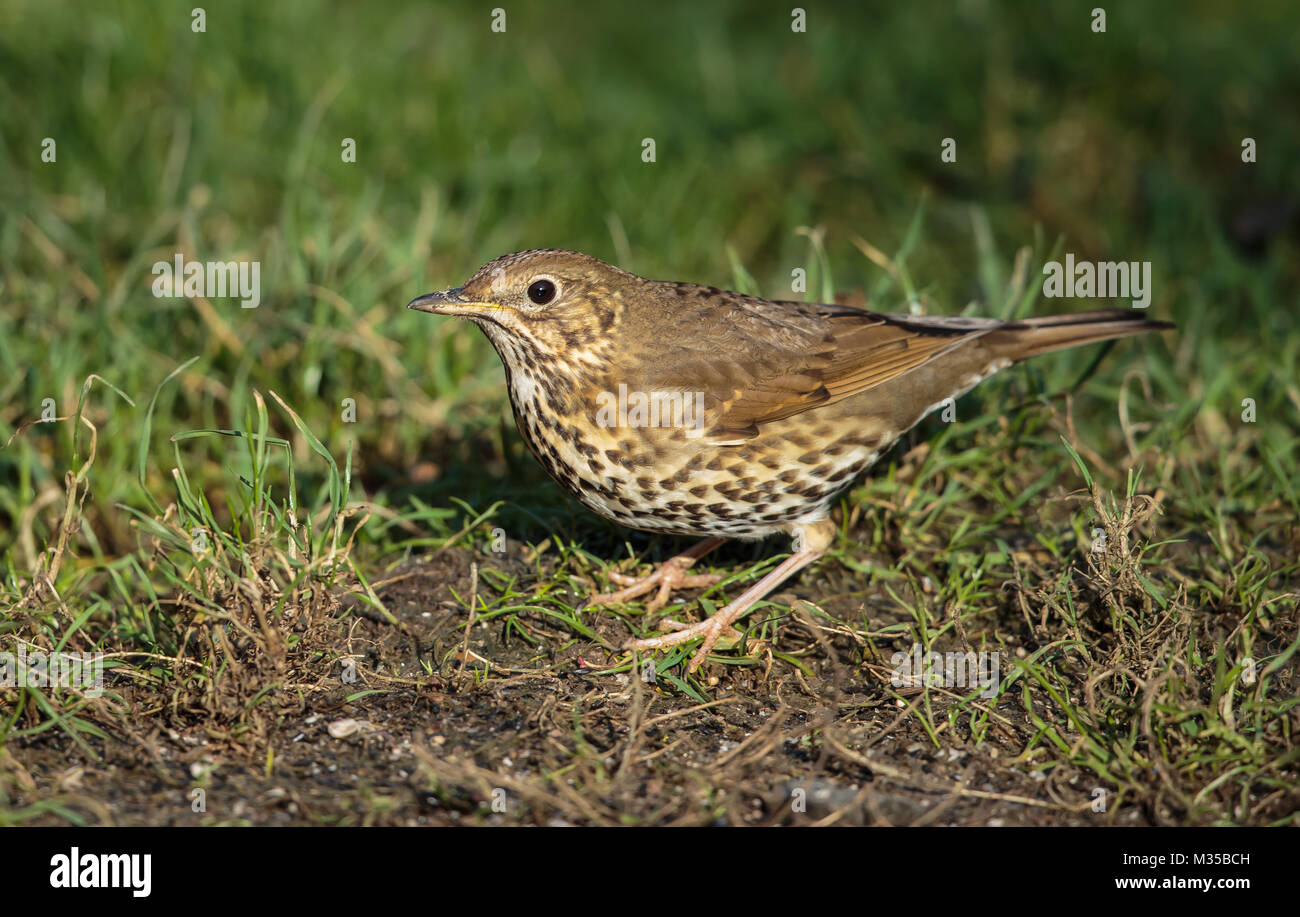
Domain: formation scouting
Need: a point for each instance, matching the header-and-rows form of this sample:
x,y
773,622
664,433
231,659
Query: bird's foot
x,y
727,637
714,629
670,575
812,540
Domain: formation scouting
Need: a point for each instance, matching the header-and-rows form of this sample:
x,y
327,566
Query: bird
x,y
685,409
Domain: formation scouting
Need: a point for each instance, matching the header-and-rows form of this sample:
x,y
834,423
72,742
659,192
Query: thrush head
x,y
544,305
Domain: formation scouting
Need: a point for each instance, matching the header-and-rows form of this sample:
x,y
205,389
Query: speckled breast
x,y
664,480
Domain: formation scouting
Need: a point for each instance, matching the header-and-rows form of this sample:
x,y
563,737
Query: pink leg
x,y
812,541
670,575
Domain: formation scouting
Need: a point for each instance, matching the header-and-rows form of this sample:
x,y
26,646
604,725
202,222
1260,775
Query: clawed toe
x,y
670,575
718,625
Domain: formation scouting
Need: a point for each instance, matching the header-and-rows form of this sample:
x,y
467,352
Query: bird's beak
x,y
452,302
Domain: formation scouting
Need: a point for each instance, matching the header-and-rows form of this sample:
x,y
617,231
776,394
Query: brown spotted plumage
x,y
760,412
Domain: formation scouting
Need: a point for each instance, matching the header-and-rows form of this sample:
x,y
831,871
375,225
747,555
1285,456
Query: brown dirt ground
x,y
546,738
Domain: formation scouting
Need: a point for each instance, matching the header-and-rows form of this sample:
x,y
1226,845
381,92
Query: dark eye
x,y
541,291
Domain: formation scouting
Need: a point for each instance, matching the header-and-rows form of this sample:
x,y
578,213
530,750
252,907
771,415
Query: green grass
x,y
181,419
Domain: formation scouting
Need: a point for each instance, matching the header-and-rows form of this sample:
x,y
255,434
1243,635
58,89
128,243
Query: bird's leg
x,y
811,542
670,575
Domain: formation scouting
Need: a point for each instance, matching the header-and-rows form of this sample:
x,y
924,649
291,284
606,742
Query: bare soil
x,y
543,736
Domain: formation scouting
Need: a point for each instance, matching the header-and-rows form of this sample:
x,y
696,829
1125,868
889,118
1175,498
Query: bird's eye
x,y
541,291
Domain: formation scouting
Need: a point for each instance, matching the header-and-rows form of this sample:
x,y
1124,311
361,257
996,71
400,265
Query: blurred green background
x,y
471,143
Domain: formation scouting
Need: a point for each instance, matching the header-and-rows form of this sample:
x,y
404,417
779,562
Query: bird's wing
x,y
764,364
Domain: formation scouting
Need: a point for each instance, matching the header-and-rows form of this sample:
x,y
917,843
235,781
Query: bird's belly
x,y
662,480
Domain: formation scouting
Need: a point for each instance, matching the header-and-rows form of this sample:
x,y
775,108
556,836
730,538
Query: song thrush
x,y
689,410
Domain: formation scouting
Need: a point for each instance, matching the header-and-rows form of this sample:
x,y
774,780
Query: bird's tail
x,y
1029,337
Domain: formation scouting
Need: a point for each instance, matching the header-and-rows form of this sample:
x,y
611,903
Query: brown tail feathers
x,y
1032,336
